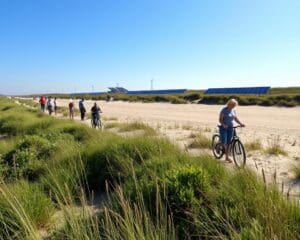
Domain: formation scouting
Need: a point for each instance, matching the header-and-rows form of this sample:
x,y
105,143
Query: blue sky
x,y
72,45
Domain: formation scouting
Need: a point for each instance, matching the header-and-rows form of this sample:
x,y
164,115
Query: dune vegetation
x,y
63,180
284,97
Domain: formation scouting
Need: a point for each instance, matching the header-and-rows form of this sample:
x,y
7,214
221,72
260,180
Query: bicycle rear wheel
x,y
217,147
238,153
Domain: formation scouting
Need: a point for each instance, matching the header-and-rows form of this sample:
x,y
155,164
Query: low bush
x,y
80,133
187,189
25,160
113,159
192,97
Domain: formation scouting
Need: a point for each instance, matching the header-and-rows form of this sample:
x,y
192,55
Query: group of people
x,y
227,117
51,106
95,111
46,102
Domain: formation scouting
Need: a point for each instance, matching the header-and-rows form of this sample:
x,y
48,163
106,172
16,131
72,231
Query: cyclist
x,y
82,109
227,117
95,113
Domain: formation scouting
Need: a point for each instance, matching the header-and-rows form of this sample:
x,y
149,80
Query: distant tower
x,y
152,84
93,88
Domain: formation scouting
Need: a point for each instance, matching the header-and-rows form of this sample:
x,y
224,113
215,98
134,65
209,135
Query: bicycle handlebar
x,y
238,126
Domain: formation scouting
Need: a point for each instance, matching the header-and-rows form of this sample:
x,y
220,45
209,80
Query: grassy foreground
x,y
63,180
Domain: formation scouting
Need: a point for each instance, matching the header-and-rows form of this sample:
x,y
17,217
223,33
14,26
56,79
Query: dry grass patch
x,y
199,141
129,127
254,145
192,135
110,118
296,171
112,125
207,129
187,127
275,148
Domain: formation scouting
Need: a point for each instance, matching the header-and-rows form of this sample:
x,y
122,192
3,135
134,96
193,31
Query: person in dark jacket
x,y
95,113
82,109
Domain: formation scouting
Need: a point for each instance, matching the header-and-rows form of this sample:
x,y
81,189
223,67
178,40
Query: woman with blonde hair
x,y
227,118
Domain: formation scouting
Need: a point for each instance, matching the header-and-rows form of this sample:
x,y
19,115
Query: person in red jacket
x,y
42,103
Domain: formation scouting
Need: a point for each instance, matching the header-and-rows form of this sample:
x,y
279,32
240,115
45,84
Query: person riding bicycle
x,y
96,113
227,117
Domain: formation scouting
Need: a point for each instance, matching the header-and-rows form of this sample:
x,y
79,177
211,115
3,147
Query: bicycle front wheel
x,y
238,153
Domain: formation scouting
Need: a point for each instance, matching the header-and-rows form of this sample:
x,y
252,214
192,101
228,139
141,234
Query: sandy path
x,y
265,124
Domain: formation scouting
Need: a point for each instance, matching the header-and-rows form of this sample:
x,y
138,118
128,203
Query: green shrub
x,y
80,133
176,100
192,97
113,158
187,188
25,160
266,102
284,103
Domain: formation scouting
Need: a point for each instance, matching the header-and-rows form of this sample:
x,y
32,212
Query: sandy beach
x,y
264,124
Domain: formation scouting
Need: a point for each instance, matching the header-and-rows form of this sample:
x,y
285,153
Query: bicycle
x,y
236,147
98,124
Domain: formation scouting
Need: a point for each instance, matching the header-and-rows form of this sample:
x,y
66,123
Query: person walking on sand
x,y
55,106
227,118
42,103
49,106
71,109
82,109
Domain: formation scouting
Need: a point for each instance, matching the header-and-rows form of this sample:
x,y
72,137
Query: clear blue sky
x,y
63,45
